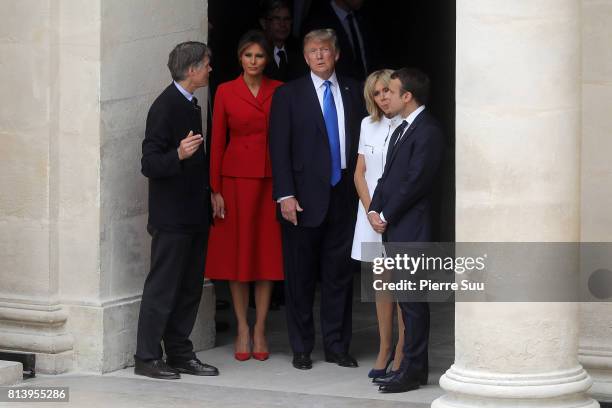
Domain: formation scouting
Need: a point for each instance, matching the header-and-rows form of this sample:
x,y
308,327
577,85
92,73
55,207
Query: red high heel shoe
x,y
261,355
242,356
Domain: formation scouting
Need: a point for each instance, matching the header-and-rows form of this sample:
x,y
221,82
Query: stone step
x,y
11,372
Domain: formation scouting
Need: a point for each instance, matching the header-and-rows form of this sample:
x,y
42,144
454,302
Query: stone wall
x,y
78,77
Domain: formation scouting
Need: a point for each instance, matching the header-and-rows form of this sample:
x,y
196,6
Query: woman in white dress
x,y
376,131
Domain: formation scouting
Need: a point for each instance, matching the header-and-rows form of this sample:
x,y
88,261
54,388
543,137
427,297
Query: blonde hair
x,y
323,35
383,75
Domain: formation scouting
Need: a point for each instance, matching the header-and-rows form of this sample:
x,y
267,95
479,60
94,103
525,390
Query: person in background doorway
x,y
355,38
287,61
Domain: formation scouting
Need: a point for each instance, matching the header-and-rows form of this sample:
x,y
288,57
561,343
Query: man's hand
x,y
376,222
218,205
189,145
289,206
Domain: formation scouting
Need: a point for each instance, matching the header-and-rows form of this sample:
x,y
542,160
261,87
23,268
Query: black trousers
x,y
320,253
416,336
171,295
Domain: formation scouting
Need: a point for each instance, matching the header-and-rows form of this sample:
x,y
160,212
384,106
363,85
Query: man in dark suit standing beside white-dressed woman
x,y
401,205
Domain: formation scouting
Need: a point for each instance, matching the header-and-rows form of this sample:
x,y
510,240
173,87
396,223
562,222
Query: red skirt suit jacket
x,y
237,109
246,244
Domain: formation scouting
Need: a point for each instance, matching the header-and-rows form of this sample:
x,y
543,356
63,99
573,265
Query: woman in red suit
x,y
245,241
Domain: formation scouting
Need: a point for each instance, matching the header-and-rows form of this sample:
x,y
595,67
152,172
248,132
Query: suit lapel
x,y
345,93
266,91
406,136
241,90
313,100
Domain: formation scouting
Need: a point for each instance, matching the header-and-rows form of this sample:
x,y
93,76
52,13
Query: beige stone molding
x,y
497,385
596,357
36,328
52,315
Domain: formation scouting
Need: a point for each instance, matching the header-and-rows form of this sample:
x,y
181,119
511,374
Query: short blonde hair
x,y
324,34
383,75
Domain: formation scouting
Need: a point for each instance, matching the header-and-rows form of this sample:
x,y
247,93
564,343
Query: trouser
x,y
171,295
322,254
416,336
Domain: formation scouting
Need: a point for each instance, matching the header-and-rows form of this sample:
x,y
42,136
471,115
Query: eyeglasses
x,y
277,20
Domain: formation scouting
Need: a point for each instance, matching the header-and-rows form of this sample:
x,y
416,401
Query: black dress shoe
x,y
155,369
399,383
194,367
342,359
383,379
420,377
302,361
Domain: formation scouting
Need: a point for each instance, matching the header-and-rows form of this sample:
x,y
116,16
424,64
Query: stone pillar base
x,y
204,331
39,329
11,372
105,336
598,362
54,363
559,389
602,385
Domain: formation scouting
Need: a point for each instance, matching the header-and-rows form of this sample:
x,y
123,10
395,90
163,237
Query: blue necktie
x,y
331,124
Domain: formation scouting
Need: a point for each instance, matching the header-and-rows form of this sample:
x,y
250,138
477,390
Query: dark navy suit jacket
x,y
403,193
299,146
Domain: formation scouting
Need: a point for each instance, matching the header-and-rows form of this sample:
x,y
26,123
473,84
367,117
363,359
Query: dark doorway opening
x,y
415,33
421,34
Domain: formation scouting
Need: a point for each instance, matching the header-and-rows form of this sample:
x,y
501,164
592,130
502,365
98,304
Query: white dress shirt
x,y
185,92
276,57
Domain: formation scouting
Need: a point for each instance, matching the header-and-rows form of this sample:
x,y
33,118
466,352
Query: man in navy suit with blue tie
x,y
314,133
401,207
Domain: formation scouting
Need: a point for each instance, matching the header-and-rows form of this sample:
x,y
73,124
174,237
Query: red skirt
x,y
245,246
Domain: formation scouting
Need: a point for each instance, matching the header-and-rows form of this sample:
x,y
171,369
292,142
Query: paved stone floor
x,y
273,383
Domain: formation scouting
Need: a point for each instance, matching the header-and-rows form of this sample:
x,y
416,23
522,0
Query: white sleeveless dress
x,y
373,143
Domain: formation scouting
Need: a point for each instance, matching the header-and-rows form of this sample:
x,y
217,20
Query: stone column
x,y
518,168
78,78
596,182
32,318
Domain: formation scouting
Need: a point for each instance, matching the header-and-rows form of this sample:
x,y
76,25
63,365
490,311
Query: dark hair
x,y
414,81
253,37
184,55
266,7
